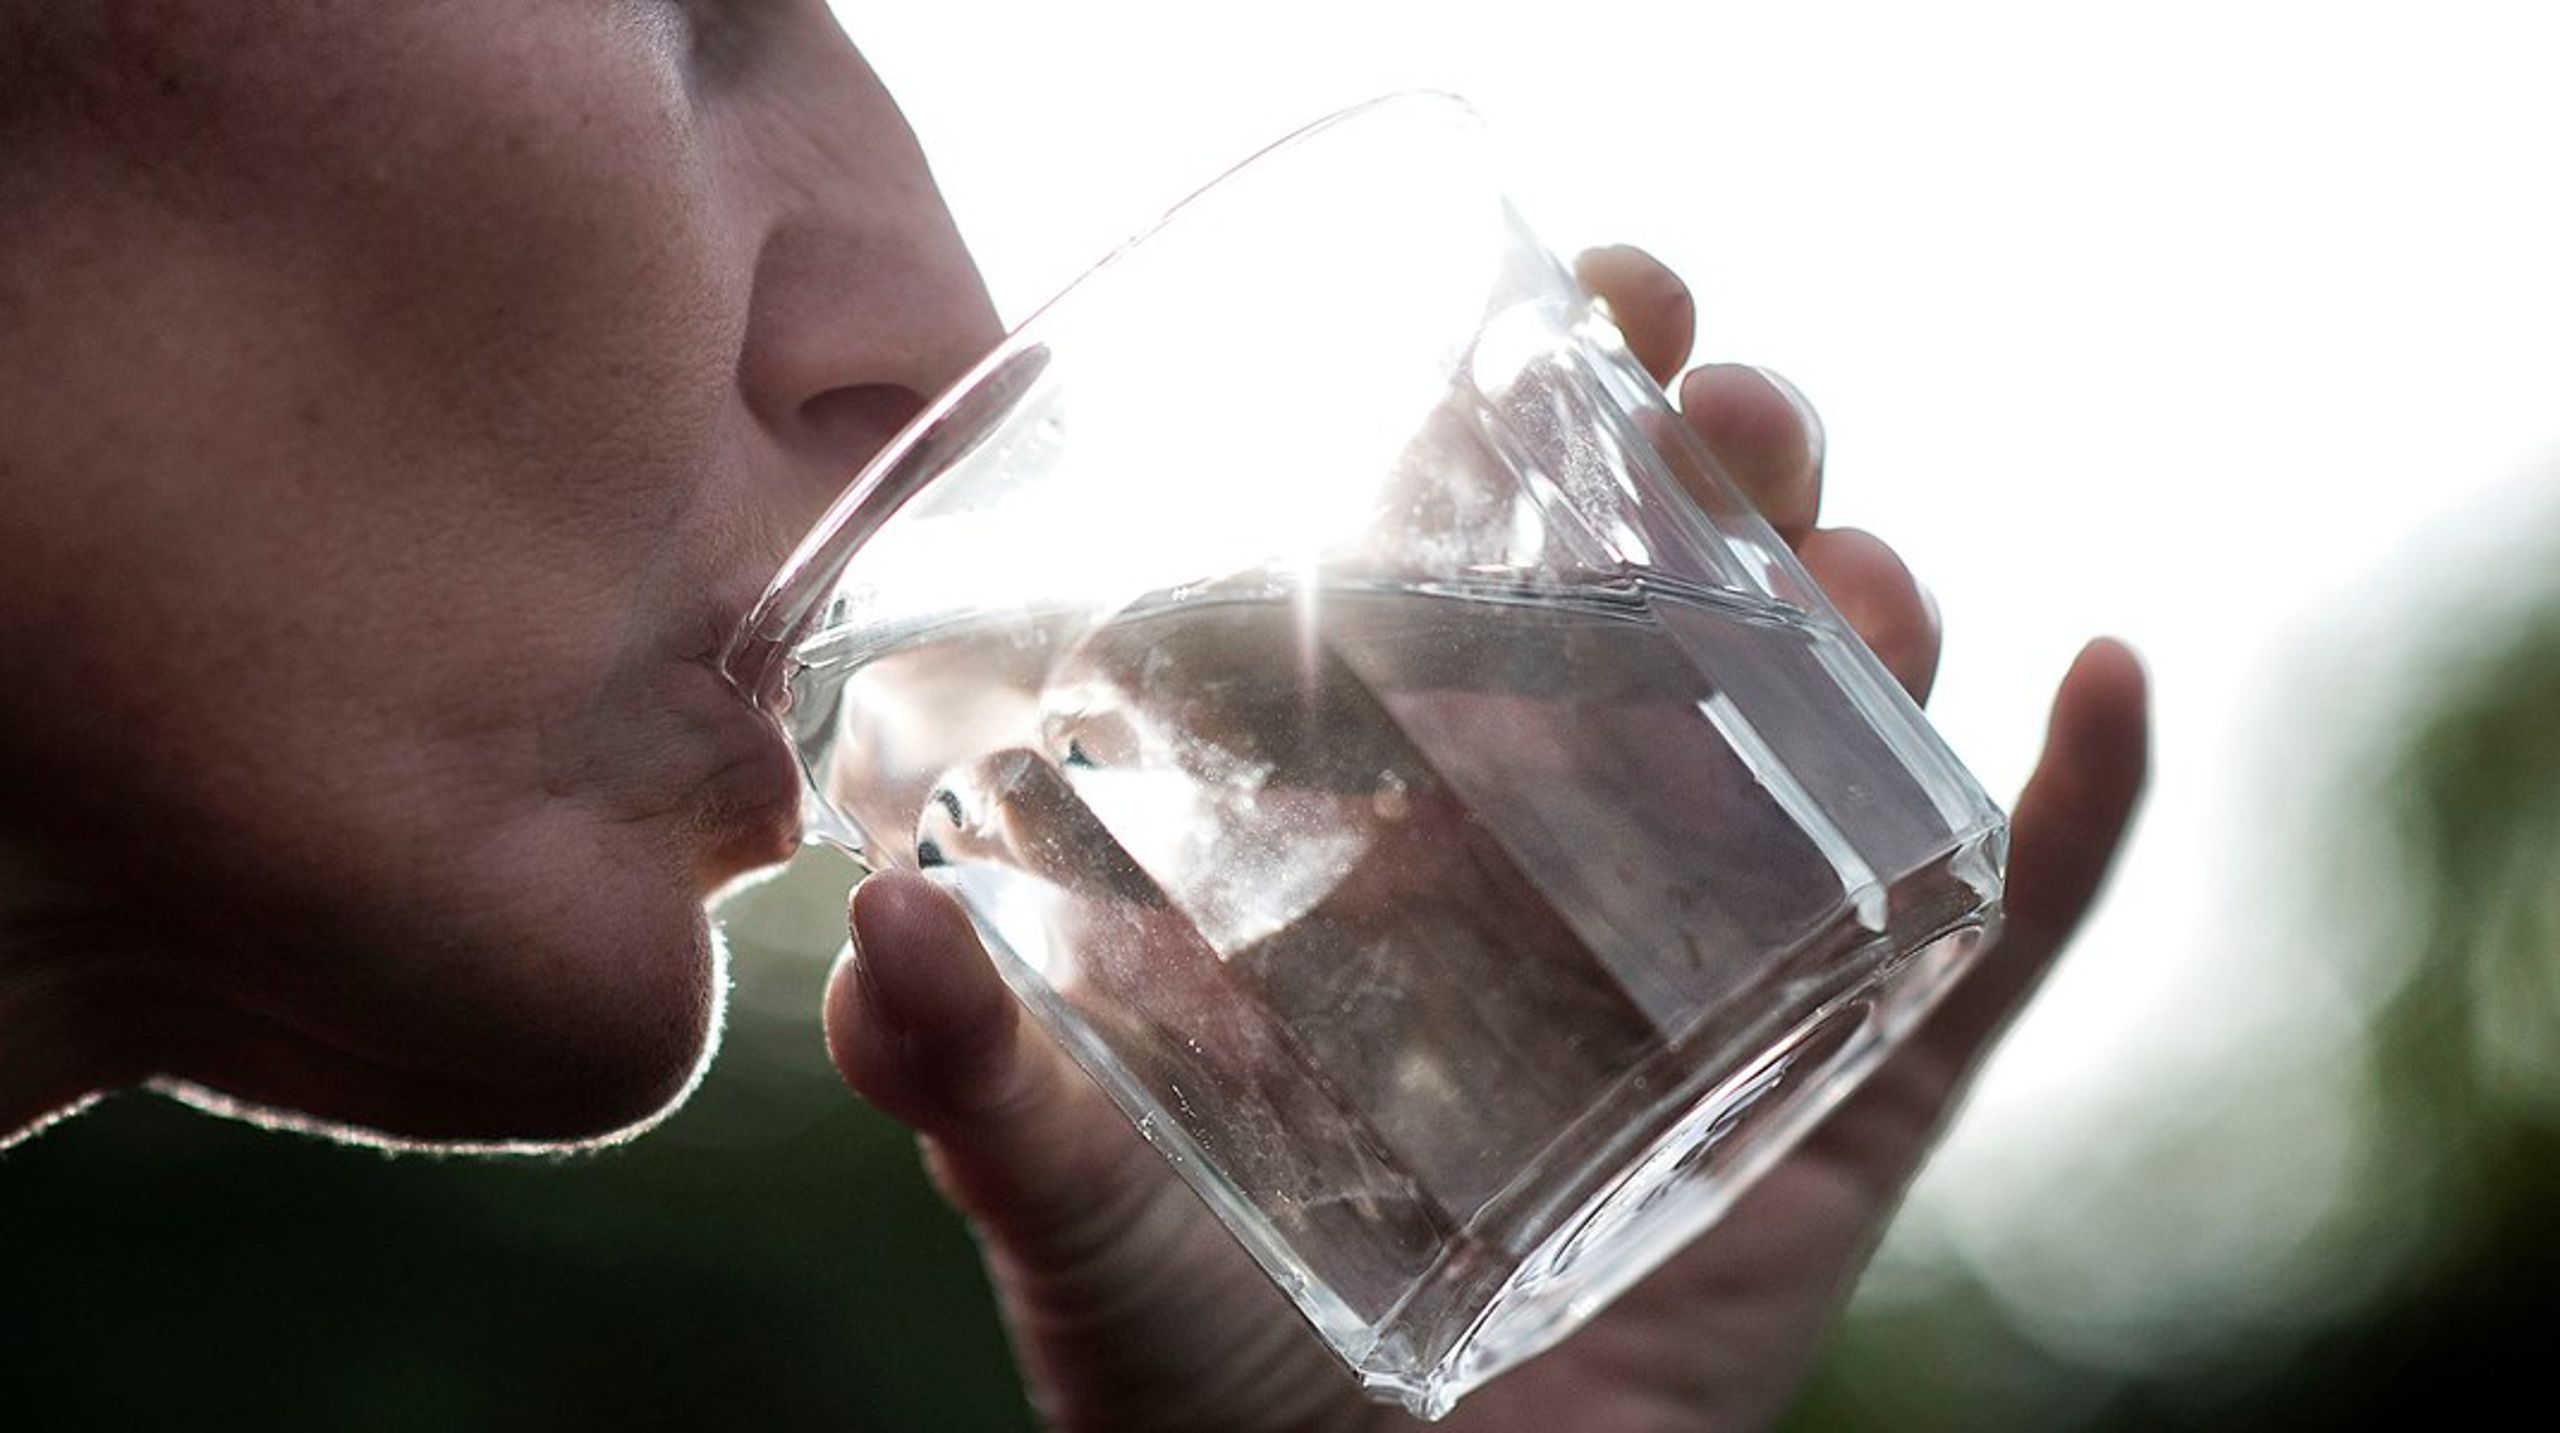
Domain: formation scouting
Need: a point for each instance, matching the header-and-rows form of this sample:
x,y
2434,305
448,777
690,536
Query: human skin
x,y
399,403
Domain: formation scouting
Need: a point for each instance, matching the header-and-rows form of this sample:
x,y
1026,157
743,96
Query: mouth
x,y
749,800
745,778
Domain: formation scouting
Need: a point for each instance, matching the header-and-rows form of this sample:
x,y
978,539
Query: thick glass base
x,y
1679,1185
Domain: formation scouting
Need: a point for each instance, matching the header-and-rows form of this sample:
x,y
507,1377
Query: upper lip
x,y
716,629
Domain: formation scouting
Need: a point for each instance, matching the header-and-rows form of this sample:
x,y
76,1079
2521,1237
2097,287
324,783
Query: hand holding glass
x,y
1374,739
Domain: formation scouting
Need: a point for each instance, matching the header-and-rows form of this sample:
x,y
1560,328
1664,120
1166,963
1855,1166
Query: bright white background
x,y
2233,329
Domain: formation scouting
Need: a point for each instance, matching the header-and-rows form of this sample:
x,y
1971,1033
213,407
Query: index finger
x,y
1649,303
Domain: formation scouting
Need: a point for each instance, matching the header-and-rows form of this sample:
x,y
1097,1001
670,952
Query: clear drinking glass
x,y
1374,738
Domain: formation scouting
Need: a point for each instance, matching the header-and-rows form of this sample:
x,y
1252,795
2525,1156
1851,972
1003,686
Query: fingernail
x,y
1811,421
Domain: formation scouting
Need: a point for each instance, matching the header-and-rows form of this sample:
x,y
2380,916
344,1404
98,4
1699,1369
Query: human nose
x,y
863,303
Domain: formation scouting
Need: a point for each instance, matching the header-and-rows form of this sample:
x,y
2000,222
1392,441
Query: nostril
x,y
853,422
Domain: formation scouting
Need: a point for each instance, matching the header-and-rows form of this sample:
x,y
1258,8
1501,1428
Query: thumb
x,y
919,1023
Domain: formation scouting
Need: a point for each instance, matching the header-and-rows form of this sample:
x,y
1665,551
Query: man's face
x,y
399,402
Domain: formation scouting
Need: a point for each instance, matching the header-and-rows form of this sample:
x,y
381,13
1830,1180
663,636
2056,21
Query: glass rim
x,y
965,412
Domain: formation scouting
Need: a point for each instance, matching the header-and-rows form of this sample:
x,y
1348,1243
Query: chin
x,y
553,1068
512,974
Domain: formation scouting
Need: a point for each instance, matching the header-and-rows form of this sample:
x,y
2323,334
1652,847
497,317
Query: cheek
x,y
476,318
412,410
490,226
